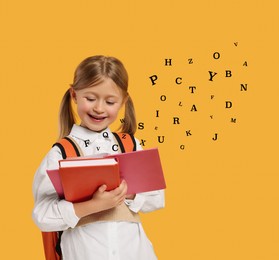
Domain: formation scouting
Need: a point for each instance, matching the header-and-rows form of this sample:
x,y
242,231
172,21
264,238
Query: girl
x,y
91,229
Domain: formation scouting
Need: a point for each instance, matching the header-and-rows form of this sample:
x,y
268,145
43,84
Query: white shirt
x,y
99,240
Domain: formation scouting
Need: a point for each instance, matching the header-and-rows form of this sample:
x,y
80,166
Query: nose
x,y
98,107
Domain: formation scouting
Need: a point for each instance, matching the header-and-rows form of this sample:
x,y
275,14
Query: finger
x,y
120,189
121,200
123,184
102,188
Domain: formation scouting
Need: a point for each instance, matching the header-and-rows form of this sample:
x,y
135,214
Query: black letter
x,y
212,75
176,120
105,134
194,108
216,55
228,104
157,113
228,73
142,143
87,142
176,81
192,89
167,62
159,139
153,79
140,125
215,137
115,147
243,87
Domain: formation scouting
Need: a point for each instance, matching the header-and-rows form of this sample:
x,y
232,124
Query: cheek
x,y
113,112
82,106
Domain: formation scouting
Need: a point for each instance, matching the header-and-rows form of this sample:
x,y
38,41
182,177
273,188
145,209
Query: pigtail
x,y
66,115
129,124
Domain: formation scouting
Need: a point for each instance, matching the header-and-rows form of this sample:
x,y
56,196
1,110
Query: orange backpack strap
x,y
68,147
51,240
126,142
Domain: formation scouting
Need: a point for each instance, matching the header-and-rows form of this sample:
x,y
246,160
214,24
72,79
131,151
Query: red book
x,y
81,177
142,170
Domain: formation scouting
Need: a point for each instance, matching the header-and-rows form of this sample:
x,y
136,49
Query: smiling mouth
x,y
97,118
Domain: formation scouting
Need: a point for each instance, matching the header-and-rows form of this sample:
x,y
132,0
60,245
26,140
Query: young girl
x,y
106,226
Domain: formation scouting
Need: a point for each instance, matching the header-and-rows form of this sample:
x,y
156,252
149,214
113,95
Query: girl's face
x,y
98,106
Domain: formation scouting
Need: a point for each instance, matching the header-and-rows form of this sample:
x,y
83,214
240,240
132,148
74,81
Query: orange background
x,y
222,197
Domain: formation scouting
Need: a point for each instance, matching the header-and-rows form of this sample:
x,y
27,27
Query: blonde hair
x,y
90,72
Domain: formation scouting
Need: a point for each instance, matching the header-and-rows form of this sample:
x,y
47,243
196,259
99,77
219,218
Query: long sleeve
x,y
147,201
50,213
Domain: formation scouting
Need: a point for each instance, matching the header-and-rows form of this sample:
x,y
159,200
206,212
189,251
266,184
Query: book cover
x,y
80,180
142,170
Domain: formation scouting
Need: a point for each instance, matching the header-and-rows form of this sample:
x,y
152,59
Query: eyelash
x,y
93,99
90,99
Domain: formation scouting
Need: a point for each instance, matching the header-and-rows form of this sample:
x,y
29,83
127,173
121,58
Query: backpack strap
x,y
68,147
126,142
51,240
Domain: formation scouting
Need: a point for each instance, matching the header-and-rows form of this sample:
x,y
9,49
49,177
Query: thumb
x,y
102,188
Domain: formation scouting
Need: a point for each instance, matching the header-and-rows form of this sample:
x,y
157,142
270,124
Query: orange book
x,y
142,170
81,177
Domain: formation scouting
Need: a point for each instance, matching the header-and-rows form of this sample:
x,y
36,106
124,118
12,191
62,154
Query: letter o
x,y
216,55
163,98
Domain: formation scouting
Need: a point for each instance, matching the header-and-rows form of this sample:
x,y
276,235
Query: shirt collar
x,y
86,134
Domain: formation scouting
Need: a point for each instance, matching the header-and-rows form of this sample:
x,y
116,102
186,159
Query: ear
x,y
73,95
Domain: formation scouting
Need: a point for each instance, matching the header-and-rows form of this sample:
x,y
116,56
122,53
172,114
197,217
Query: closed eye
x,y
90,99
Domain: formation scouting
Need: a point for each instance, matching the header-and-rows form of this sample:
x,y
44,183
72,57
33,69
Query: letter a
x,y
194,108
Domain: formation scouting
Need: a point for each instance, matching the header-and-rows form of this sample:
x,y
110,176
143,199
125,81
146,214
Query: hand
x,y
102,200
110,199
